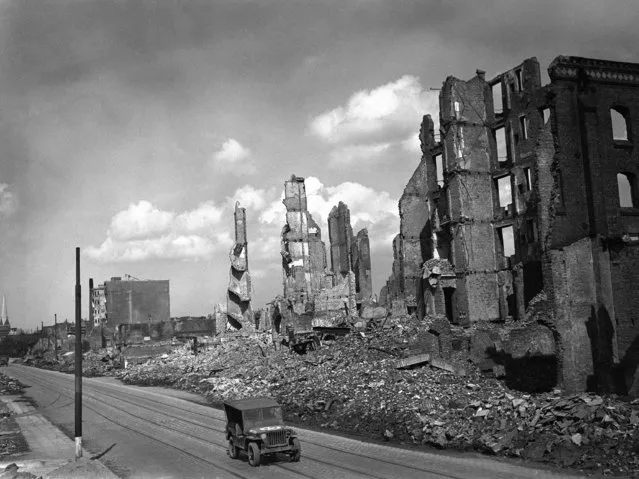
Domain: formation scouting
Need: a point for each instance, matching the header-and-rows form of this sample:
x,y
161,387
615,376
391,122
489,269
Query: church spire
x,y
4,319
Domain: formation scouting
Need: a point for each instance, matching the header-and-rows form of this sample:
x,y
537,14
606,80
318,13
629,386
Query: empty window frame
x,y
619,119
519,75
459,142
456,110
523,127
627,184
531,231
439,170
528,178
502,148
506,240
559,197
498,106
504,188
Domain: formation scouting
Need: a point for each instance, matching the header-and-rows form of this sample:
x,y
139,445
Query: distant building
x,y
134,301
5,326
98,305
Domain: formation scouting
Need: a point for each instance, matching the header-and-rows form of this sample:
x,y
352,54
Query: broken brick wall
x,y
303,252
340,234
414,214
362,266
469,187
594,231
239,310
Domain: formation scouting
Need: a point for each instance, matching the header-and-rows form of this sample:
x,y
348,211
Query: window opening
x,y
439,170
520,80
528,176
627,194
459,142
545,113
619,124
523,126
497,98
506,240
500,140
531,231
457,107
505,191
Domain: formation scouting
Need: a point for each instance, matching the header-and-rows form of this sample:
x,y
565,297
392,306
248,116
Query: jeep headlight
x,y
263,436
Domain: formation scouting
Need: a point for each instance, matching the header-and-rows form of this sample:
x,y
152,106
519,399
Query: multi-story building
x,y
98,305
136,301
533,188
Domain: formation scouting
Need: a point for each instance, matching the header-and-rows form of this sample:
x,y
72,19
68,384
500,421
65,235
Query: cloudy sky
x,y
129,128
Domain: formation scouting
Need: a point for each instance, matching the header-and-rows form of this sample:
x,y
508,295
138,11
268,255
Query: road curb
x,y
51,451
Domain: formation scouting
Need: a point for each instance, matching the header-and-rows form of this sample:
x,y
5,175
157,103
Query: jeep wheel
x,y
233,452
254,455
296,453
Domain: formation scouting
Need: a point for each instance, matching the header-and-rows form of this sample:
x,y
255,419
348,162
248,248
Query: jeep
x,y
255,425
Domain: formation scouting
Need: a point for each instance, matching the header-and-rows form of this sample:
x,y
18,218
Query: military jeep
x,y
255,426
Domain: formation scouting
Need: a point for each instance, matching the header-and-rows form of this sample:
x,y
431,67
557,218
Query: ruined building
x,y
239,310
530,188
349,253
315,296
303,251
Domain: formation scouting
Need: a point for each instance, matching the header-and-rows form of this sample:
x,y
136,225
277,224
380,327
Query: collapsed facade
x,y
532,188
314,295
238,307
349,253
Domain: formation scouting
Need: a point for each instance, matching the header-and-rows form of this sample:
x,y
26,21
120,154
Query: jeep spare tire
x,y
254,455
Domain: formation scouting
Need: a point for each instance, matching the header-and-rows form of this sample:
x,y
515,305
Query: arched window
x,y
627,184
619,119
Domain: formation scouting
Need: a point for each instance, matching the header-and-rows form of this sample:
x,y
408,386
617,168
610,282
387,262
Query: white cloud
x,y
140,221
143,232
8,201
371,209
373,121
200,220
350,154
251,198
234,158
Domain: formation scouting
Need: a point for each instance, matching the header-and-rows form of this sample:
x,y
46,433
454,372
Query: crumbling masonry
x,y
303,251
349,253
239,312
530,188
314,296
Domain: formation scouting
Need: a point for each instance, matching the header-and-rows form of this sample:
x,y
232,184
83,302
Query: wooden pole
x,y
78,358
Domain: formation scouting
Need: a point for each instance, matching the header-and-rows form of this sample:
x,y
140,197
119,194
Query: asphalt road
x,y
162,433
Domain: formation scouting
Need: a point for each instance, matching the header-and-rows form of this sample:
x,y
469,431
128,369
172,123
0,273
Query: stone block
x,y
398,309
483,345
534,340
373,312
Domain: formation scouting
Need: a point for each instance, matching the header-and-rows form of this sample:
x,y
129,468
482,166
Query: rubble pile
x,y
94,363
11,440
9,385
365,384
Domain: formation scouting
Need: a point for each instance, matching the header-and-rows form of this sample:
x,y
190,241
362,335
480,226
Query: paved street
x,y
160,433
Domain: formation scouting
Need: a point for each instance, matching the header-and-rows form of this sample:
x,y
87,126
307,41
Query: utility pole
x,y
78,358
55,335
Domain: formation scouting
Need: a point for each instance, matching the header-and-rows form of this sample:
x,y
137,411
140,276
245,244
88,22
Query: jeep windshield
x,y
261,417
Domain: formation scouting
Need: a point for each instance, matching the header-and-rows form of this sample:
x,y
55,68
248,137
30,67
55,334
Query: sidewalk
x,y
52,454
